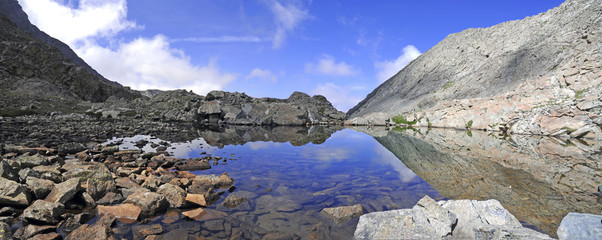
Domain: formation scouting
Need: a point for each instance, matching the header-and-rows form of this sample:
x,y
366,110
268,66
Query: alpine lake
x,y
289,174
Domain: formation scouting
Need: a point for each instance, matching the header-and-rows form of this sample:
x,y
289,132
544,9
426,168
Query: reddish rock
x,y
100,230
127,213
44,212
195,214
343,214
198,199
141,231
125,182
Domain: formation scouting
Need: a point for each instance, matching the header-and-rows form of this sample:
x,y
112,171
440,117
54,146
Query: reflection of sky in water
x,y
347,169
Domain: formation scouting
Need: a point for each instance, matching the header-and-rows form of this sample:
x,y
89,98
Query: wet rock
x,y
110,198
13,193
276,235
580,226
193,165
202,183
64,191
99,230
125,212
142,231
151,203
6,171
233,201
343,214
45,212
195,214
175,195
39,187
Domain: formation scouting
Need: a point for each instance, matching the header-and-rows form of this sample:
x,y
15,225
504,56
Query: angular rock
x,y
13,193
70,148
6,171
99,230
343,214
195,214
508,232
110,198
64,191
198,199
142,231
31,229
46,236
152,182
193,165
440,219
95,177
233,201
175,195
5,232
45,212
39,187
580,226
124,182
75,221
30,161
151,203
126,212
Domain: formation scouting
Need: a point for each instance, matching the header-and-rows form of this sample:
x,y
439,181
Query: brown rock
x,y
100,230
13,193
175,195
125,182
110,198
64,191
232,201
39,187
186,174
343,214
44,212
193,165
141,231
151,203
32,229
198,199
126,213
152,182
46,236
195,214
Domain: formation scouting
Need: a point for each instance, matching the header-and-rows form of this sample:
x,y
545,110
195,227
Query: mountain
x,y
40,72
538,75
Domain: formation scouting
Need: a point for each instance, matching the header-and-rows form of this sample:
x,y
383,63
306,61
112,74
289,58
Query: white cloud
x,y
340,97
286,18
262,74
221,39
143,63
151,64
328,66
387,69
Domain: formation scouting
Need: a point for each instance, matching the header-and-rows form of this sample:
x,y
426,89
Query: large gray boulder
x,y
580,226
13,193
151,203
453,219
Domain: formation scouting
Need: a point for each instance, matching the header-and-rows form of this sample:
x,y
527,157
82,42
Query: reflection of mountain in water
x,y
538,179
239,135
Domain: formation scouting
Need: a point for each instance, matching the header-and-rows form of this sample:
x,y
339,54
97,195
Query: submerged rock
x,y
343,214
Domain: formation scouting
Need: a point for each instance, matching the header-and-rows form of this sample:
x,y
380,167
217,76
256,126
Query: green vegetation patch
x,y
468,124
402,120
579,94
568,129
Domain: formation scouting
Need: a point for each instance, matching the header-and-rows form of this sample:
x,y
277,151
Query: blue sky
x,y
265,48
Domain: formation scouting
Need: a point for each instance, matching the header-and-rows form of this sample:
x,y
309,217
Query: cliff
x,y
539,75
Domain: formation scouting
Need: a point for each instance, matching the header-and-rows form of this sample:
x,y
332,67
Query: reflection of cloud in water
x,y
327,154
178,150
261,145
384,156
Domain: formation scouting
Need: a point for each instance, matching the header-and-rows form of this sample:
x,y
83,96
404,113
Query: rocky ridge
x,y
540,75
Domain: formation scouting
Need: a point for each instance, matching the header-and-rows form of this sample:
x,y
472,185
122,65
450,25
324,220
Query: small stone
x,y
44,212
126,212
195,214
198,199
141,231
343,214
64,191
233,201
39,187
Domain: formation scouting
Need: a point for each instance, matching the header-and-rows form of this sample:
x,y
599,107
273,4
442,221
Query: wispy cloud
x,y
327,65
222,39
387,69
143,63
262,74
286,18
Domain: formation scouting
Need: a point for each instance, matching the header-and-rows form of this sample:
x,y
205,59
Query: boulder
x,y
95,177
30,161
193,165
126,212
152,182
439,218
70,148
580,226
175,195
5,232
39,187
508,232
124,182
13,193
64,191
341,214
198,199
151,203
31,230
110,198
99,230
44,212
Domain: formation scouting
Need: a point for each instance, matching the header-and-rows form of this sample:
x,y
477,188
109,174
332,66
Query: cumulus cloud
x,y
286,19
340,97
387,69
262,74
328,66
143,63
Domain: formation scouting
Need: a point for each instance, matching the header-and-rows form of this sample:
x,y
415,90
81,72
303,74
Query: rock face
x,y
238,108
453,219
538,75
35,74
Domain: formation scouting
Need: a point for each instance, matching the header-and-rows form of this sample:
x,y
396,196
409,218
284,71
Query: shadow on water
x,y
538,179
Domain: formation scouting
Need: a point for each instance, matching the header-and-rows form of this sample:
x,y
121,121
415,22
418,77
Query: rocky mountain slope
x,y
39,73
539,75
